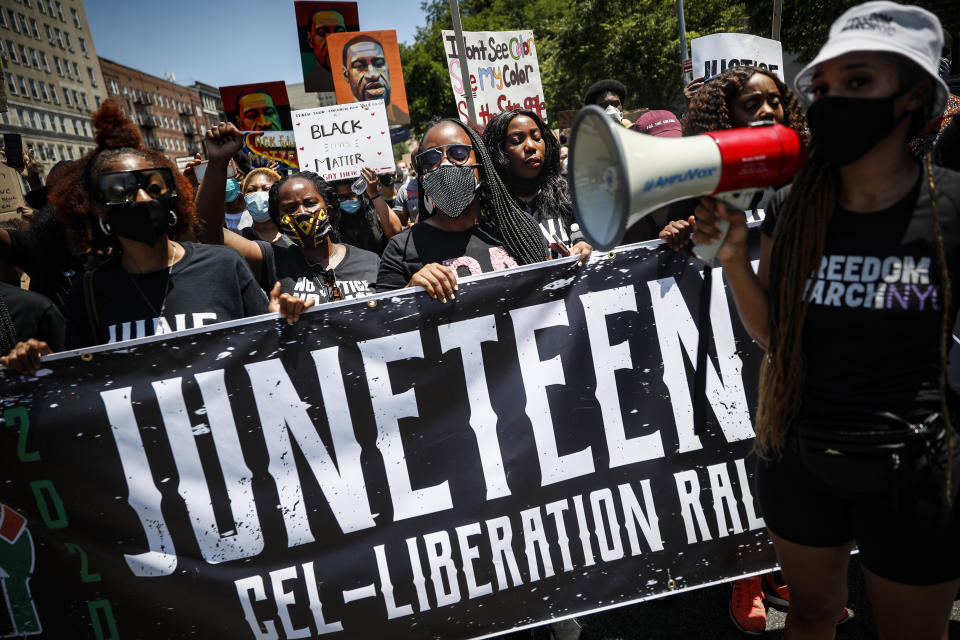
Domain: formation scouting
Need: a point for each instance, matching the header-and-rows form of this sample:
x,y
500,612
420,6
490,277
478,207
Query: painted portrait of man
x,y
316,21
367,70
263,106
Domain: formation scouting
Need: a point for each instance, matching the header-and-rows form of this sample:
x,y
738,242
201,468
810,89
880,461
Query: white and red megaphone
x,y
619,175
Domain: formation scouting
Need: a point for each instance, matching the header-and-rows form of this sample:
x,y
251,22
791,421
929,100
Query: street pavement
x,y
704,614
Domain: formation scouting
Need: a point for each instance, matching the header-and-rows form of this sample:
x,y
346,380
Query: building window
x,y
60,12
33,56
23,86
43,125
40,6
76,99
33,89
76,73
63,152
93,76
97,100
66,97
24,60
69,42
76,18
13,20
56,63
59,38
83,47
11,85
3,50
3,20
23,23
36,28
46,63
27,2
46,94
70,152
83,97
49,7
114,88
76,129
49,31
13,51
53,92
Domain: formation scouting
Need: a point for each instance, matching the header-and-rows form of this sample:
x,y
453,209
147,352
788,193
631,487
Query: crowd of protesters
x,y
117,244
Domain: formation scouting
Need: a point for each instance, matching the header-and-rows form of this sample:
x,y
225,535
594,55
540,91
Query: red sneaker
x,y
775,591
746,606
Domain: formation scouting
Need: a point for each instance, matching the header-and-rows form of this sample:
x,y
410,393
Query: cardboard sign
x,y
263,106
338,141
504,73
366,66
264,147
11,193
315,21
713,54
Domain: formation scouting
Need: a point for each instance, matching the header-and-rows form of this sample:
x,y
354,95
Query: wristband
x,y
379,195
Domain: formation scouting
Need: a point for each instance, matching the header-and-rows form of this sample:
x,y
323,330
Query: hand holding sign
x,y
222,142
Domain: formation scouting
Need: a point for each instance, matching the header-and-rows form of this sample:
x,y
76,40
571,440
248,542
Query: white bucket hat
x,y
906,30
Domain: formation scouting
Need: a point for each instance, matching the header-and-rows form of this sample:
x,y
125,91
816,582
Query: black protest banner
x,y
391,467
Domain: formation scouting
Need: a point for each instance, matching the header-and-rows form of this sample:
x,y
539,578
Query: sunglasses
x,y
455,153
333,289
120,187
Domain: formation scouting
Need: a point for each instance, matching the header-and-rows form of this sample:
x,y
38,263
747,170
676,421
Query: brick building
x,y
171,117
211,104
51,75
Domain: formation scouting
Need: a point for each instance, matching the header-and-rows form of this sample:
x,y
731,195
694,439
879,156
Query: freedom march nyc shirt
x,y
872,330
209,284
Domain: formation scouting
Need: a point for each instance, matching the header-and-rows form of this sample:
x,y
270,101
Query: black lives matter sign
x,y
389,467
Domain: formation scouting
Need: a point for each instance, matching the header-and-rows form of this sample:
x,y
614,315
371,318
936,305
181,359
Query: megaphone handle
x,y
708,251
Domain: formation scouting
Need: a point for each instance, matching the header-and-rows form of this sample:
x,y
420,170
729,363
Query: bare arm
x,y
222,142
749,288
388,218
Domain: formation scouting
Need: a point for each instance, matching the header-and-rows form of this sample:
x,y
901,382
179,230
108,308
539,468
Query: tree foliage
x,y
578,43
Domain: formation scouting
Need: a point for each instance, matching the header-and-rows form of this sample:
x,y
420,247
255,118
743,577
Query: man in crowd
x,y
610,95
322,23
365,68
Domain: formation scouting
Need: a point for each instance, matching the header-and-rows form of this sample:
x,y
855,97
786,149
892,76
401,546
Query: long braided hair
x,y
554,193
521,235
799,239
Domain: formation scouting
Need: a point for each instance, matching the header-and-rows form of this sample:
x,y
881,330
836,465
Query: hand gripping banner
x,y
387,468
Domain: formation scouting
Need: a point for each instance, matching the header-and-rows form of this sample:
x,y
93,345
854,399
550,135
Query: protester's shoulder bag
x,y
866,453
93,316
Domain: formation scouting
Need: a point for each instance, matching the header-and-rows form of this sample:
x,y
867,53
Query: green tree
x,y
578,43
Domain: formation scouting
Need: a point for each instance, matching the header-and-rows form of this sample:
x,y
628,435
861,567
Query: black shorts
x,y
900,544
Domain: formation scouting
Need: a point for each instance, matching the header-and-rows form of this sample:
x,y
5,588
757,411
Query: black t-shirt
x,y
872,330
209,284
469,252
281,241
551,220
356,275
33,316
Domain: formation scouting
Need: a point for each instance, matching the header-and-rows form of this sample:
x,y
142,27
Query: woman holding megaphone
x,y
853,303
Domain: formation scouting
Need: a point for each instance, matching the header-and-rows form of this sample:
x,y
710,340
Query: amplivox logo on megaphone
x,y
617,176
666,181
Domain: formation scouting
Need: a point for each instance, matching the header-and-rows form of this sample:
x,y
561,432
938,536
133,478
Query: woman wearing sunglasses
x,y
303,206
130,203
469,223
852,298
527,157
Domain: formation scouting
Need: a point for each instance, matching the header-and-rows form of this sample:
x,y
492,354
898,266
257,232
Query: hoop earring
x,y
174,222
104,227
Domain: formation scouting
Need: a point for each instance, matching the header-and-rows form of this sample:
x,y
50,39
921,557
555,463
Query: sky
x,y
222,42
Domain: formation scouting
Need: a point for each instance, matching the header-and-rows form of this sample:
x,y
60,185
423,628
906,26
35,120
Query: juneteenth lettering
x,y
625,520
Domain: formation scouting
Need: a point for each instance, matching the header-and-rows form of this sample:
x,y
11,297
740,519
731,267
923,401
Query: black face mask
x,y
144,222
844,128
450,188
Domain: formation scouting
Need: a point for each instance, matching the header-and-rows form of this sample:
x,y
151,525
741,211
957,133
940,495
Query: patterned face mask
x,y
306,227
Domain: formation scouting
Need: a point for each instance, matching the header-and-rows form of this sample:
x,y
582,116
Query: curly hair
x,y
499,212
270,173
597,89
709,109
75,193
331,199
554,193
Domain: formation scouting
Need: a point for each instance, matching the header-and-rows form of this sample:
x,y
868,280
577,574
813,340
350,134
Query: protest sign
x,y
264,147
262,106
389,467
11,193
338,141
504,72
315,21
366,66
715,53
